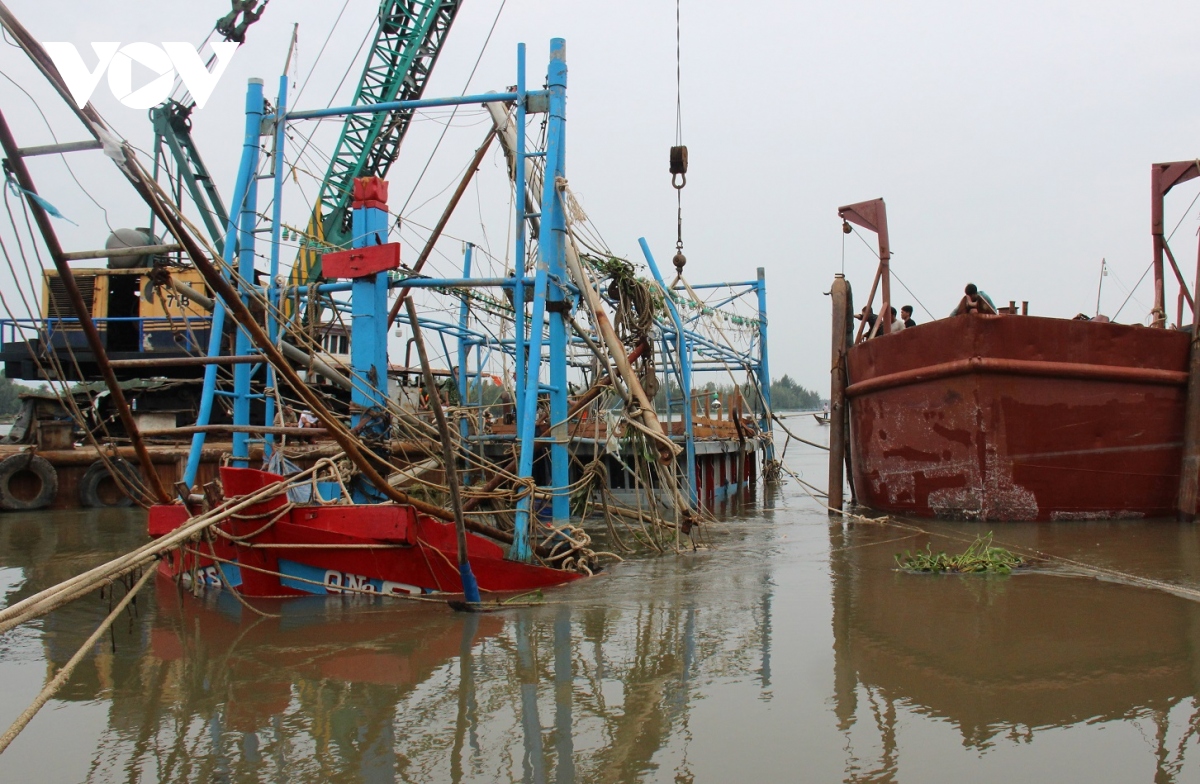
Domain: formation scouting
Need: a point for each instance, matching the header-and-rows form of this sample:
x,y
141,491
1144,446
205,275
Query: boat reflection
x,y
1005,658
357,689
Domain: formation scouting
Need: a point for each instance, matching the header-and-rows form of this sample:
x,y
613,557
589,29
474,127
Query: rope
x,y
678,152
1084,569
63,675
678,81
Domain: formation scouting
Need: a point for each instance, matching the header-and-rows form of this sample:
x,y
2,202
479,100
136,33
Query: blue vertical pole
x,y
368,333
519,266
479,360
247,222
273,284
208,390
533,762
564,688
552,247
521,550
463,349
764,368
685,371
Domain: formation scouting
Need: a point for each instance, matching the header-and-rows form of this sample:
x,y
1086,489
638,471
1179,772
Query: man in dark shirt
x,y
906,316
975,301
867,315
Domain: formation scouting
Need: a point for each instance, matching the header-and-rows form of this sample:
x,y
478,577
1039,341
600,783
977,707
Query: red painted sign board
x,y
361,262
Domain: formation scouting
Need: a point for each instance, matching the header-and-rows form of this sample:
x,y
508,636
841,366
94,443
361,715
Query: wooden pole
x,y
64,674
838,414
667,449
19,170
469,585
165,362
116,253
442,221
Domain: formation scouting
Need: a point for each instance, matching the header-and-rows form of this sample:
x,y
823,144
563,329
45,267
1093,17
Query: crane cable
x,y
679,158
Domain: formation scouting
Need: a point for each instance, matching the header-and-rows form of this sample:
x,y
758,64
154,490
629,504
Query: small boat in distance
x,y
822,418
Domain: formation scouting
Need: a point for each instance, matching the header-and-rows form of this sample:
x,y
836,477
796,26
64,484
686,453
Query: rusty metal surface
x,y
1005,437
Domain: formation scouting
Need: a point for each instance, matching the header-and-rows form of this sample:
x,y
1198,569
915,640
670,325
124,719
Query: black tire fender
x,y
97,473
16,497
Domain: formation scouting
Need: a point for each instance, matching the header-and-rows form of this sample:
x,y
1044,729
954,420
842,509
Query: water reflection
x,y
210,688
792,651
1007,659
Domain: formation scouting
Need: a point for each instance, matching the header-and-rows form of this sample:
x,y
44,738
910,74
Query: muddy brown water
x,y
792,651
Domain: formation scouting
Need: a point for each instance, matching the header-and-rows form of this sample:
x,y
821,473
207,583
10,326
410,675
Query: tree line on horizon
x,y
786,394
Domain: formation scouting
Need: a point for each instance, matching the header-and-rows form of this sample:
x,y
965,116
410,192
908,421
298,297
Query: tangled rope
x,y
570,549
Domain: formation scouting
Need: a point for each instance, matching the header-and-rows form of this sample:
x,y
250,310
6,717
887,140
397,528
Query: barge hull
x,y
1019,418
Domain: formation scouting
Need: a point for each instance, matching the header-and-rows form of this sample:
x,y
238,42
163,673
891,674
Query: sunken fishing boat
x,y
994,414
303,458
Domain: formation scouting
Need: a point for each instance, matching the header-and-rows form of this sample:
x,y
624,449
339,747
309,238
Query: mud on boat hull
x,y
344,548
1018,418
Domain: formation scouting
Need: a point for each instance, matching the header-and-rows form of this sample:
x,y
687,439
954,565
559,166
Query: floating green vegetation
x,y
980,557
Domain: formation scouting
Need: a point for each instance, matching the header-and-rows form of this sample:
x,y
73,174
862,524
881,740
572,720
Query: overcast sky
x,y
1012,141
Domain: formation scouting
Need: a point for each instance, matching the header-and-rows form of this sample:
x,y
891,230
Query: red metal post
x,y
1156,230
872,215
1164,177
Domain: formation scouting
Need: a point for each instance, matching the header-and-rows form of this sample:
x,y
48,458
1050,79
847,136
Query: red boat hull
x,y
1018,418
380,548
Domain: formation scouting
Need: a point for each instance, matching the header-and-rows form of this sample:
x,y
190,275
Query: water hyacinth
x,y
980,557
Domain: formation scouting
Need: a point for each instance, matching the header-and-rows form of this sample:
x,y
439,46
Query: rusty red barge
x,y
1018,418
1006,416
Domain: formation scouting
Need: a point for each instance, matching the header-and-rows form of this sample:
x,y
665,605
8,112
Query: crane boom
x,y
406,47
173,129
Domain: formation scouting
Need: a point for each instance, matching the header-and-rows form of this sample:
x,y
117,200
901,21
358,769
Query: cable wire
x,y
445,128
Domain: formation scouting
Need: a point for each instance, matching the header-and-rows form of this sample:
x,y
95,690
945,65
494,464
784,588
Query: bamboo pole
x,y
17,165
165,362
469,585
61,677
272,430
117,253
667,449
870,301
442,221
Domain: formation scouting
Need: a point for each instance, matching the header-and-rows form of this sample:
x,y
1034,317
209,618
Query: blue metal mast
x,y
245,181
276,227
551,261
685,371
519,265
552,247
464,348
247,221
368,344
764,369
